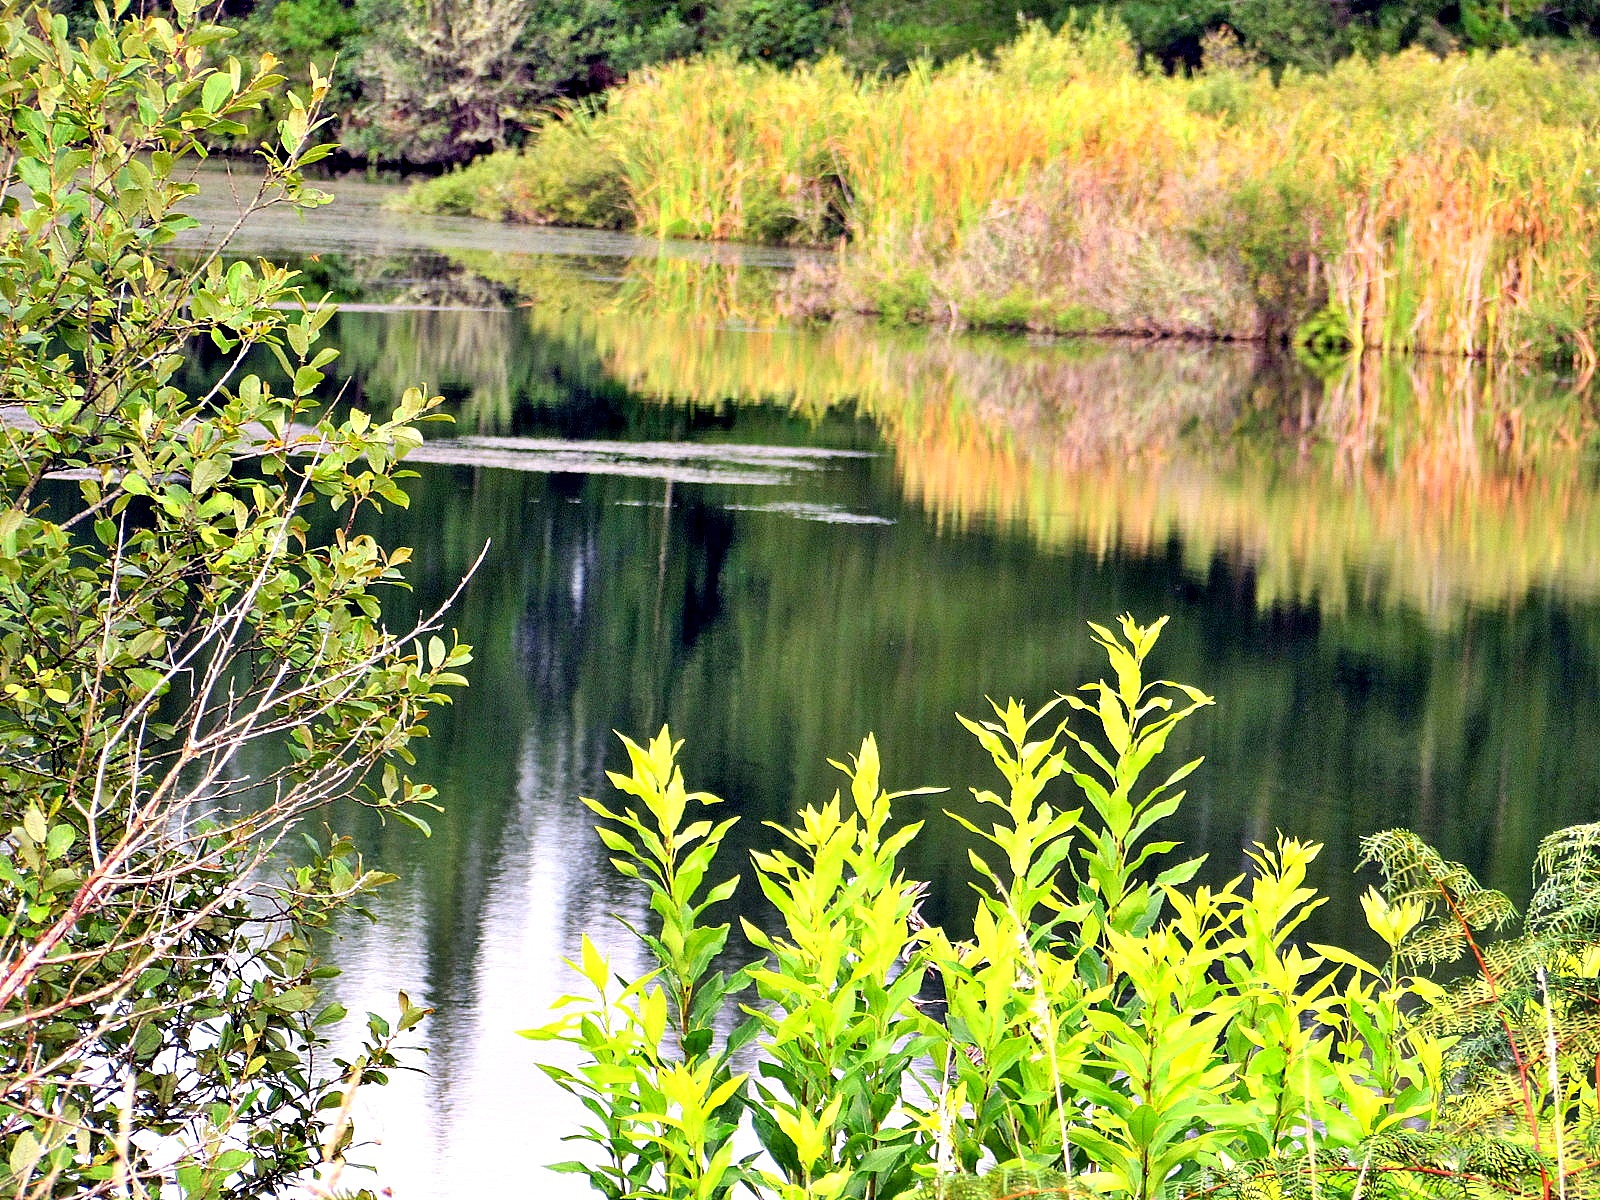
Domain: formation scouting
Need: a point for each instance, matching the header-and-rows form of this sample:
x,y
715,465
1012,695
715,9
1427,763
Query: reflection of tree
x,y
487,364
1427,482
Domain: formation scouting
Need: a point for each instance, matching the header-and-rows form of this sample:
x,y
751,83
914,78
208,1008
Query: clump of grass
x,y
724,149
569,175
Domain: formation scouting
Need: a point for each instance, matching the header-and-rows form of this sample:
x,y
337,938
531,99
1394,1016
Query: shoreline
x,y
1410,203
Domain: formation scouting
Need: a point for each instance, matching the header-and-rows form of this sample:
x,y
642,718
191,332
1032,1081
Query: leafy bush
x,y
780,32
568,176
301,34
1105,1029
187,674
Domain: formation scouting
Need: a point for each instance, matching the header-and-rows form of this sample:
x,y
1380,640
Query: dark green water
x,y
1390,582
773,623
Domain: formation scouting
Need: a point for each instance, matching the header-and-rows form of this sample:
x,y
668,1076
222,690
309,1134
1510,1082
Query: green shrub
x,y
1105,1028
462,191
904,300
1324,340
1014,310
568,176
168,616
780,32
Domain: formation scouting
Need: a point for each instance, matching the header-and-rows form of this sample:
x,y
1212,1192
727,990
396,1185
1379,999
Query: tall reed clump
x,y
1468,202
723,149
1416,204
1101,1027
1053,188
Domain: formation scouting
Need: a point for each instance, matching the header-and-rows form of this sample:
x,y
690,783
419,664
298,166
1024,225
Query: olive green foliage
x,y
780,32
568,175
1106,1027
893,34
185,676
301,35
445,80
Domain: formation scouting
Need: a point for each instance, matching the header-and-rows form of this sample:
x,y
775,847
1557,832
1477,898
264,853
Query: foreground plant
x,y
1107,1028
186,672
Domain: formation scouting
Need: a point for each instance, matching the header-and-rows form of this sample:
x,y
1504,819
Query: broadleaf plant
x,y
188,671
1102,1026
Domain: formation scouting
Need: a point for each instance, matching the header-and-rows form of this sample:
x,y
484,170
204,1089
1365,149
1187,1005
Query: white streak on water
x,y
828,514
679,462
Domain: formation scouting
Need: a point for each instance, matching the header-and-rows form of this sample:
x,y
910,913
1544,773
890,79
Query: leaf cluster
x,y
1107,1026
186,672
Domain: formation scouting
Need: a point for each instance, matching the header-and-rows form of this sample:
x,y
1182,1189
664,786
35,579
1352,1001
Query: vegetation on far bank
x,y
1409,203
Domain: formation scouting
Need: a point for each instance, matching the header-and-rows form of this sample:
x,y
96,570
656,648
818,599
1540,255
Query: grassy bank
x,y
1412,203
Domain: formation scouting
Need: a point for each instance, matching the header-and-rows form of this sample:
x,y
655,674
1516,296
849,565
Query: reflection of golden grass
x,y
1430,483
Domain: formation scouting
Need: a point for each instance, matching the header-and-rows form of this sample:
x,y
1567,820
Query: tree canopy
x,y
434,81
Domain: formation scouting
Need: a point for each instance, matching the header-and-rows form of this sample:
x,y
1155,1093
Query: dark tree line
x,y
438,81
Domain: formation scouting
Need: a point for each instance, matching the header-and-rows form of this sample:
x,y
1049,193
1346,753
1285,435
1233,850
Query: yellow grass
x,y
1428,204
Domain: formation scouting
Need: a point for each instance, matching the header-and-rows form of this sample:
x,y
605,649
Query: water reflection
x,y
362,224
1426,483
1390,580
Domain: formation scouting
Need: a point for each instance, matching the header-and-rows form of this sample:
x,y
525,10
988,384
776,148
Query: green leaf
x,y
25,1152
59,840
294,1000
11,522
209,472
230,1161
215,92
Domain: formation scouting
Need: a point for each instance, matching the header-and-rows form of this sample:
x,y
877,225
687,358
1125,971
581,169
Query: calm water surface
x,y
777,539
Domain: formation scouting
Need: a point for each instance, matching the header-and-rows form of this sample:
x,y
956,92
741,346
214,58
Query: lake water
x,y
777,539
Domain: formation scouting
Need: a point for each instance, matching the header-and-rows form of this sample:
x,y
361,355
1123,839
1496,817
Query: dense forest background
x,y
439,81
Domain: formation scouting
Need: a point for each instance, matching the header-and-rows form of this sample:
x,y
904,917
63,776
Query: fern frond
x,y
1456,903
1458,1163
1438,942
1490,1100
1566,900
1399,1164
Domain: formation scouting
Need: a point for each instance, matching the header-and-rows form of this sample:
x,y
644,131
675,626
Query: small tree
x,y
185,671
443,80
